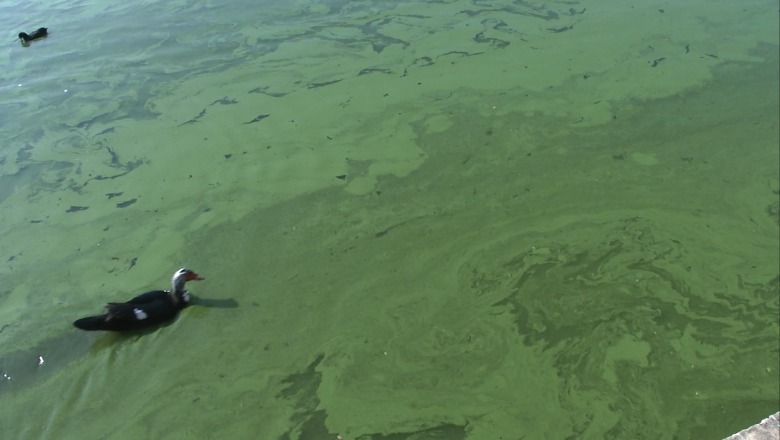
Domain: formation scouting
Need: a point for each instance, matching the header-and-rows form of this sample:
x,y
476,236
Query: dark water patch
x,y
372,31
194,119
264,90
104,118
114,161
257,118
37,176
225,101
106,131
374,70
23,153
558,30
495,42
520,8
446,431
773,210
55,175
312,428
301,390
322,84
126,203
461,53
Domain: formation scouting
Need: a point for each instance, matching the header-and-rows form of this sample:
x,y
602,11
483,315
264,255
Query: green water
x,y
440,220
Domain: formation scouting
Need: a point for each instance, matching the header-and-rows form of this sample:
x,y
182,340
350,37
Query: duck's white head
x,y
180,278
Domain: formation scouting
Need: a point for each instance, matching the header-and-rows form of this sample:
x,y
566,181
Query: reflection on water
x,y
455,219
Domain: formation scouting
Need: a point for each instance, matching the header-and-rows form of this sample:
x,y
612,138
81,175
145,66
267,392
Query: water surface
x,y
448,219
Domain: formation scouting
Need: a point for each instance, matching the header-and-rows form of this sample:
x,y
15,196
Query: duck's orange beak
x,y
193,276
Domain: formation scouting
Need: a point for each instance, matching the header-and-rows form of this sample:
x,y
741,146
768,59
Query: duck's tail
x,y
91,323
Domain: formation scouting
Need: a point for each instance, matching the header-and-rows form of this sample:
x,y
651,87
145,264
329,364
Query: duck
x,y
145,310
36,35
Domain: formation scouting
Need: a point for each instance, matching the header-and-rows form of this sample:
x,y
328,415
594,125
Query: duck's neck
x,y
177,284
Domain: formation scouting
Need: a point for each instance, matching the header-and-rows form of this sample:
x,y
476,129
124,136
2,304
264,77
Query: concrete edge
x,y
767,429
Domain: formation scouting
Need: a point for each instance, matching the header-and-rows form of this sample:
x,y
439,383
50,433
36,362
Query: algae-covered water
x,y
453,219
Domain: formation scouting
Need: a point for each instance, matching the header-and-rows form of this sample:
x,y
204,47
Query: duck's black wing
x,y
147,309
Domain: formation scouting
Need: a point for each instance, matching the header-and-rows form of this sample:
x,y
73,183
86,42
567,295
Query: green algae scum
x,y
456,219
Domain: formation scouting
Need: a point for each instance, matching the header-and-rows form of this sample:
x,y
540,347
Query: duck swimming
x,y
145,310
36,35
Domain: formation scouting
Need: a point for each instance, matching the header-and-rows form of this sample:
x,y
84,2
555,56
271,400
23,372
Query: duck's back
x,y
147,309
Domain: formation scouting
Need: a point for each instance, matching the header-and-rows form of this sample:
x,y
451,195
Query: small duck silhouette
x,y
36,35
